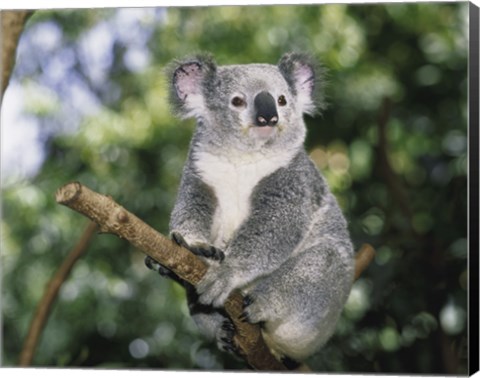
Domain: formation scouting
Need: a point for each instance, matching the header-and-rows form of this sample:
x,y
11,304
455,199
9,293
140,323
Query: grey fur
x,y
253,192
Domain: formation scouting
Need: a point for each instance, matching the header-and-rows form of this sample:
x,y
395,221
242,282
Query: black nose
x,y
266,110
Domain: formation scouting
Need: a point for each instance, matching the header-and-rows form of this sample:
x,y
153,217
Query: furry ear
x,y
188,83
304,77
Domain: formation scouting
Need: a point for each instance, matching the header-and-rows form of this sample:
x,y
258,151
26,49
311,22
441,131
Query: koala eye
x,y
282,101
238,101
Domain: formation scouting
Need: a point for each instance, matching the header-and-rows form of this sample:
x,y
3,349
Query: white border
x,y
50,4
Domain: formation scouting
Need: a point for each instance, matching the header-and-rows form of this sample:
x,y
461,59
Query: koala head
x,y
247,107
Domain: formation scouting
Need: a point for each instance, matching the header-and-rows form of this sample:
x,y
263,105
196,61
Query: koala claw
x,y
247,300
229,349
225,337
149,262
244,317
178,238
204,250
153,265
228,326
163,271
252,310
211,252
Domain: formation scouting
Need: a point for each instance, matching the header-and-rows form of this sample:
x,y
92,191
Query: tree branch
x,y
45,304
12,26
392,180
363,258
112,218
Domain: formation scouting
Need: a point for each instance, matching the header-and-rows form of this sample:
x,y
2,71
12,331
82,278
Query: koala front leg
x,y
190,221
191,218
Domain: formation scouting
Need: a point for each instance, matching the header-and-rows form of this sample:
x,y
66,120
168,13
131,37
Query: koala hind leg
x,y
213,323
299,304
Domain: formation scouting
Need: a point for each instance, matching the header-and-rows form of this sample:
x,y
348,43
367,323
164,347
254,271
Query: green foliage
x,y
92,84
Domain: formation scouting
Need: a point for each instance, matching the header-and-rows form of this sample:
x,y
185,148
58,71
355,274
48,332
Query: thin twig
x,y
45,305
363,258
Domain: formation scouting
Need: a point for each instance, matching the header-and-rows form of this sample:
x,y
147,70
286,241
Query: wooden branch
x,y
112,218
12,26
363,258
45,304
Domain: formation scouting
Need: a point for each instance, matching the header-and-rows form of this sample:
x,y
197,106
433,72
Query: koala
x,y
253,205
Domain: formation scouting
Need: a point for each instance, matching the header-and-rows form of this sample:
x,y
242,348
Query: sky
x,y
21,150
22,135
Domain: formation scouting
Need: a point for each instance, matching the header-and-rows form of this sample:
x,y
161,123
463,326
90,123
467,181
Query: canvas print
x,y
230,188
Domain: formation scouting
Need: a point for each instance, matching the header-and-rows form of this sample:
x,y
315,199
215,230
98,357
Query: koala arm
x,y
193,211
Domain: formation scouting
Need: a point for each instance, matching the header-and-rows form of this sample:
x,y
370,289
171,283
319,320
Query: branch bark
x,y
12,26
363,258
113,218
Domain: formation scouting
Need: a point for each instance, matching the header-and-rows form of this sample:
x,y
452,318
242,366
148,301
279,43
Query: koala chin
x,y
253,205
263,133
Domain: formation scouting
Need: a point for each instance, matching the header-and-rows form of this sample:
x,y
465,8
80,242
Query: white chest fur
x,y
233,180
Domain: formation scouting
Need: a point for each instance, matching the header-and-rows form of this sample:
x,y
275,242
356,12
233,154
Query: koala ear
x,y
188,83
304,77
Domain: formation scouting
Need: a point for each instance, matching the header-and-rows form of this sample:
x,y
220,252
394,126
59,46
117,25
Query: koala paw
x,y
163,271
199,249
253,310
247,300
225,336
217,284
156,266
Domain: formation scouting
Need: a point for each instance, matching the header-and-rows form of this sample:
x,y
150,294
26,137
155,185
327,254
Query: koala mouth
x,y
263,132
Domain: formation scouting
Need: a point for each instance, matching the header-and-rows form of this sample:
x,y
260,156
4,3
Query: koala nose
x,y
266,110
